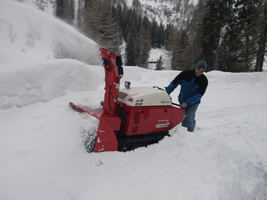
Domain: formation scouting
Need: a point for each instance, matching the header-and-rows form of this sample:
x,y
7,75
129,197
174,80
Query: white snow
x,y
29,34
155,56
41,151
164,11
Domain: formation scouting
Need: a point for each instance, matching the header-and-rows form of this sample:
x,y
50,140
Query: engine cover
x,y
144,96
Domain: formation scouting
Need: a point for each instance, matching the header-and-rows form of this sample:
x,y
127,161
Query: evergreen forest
x,y
231,35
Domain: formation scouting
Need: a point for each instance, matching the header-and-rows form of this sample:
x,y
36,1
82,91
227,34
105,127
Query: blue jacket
x,y
192,87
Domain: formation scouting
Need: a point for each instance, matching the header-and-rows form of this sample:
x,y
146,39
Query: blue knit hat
x,y
202,65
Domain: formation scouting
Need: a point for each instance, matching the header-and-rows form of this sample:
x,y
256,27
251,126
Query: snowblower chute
x,y
131,117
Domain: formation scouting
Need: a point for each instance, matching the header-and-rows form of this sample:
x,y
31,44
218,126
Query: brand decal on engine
x,y
163,120
164,102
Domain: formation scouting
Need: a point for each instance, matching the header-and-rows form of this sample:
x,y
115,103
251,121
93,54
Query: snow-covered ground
x,y
155,56
41,151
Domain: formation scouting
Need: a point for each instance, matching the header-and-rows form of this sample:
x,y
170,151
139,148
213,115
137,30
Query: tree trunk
x,y
262,43
217,55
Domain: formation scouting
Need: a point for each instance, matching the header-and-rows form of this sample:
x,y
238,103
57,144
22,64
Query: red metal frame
x,y
109,123
112,80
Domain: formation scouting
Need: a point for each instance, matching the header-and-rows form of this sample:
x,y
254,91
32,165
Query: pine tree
x,y
160,36
80,14
60,9
217,12
65,10
171,38
70,12
240,38
154,34
137,34
130,22
193,50
261,28
132,45
137,5
159,64
178,52
100,25
144,44
184,39
131,53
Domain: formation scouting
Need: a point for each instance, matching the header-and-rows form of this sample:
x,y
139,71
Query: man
x,y
193,86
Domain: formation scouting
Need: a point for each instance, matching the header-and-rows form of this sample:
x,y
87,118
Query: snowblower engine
x,y
131,117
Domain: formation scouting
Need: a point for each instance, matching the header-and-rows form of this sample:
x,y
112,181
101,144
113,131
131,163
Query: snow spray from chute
x,y
30,34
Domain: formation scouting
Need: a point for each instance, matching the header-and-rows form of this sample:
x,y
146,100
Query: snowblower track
x,y
128,143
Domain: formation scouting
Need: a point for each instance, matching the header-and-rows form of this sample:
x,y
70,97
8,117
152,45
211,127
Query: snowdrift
x,y
44,81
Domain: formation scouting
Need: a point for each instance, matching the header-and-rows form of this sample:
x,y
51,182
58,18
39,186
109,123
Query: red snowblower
x,y
131,117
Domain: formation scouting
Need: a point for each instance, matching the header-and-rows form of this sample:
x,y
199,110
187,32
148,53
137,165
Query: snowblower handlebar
x,y
175,104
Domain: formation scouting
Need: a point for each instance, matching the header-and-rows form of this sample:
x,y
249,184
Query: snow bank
x,y
44,81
